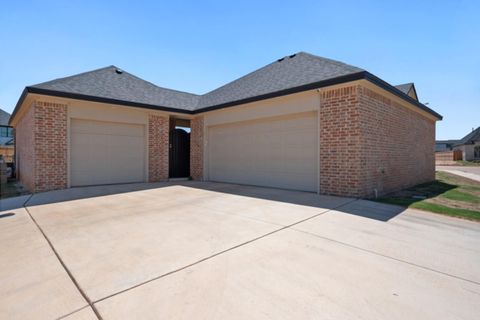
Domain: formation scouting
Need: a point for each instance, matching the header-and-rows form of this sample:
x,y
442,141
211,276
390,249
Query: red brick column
x,y
196,148
157,148
50,145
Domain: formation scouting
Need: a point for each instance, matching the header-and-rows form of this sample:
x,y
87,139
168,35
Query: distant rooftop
x,y
470,138
4,118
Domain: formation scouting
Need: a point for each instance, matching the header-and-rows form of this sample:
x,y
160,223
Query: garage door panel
x,y
276,152
106,152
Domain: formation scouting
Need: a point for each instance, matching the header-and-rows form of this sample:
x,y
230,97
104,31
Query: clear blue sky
x,y
197,46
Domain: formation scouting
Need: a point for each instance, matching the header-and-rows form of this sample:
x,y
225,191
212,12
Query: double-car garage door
x,y
276,152
106,152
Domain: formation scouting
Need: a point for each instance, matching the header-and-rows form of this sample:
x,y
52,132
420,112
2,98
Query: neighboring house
x,y
6,137
445,145
302,122
469,145
408,89
6,131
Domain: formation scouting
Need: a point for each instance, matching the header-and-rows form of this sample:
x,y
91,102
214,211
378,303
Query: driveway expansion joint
x,y
72,312
222,252
69,273
387,257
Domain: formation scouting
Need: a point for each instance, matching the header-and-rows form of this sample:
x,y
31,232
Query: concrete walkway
x,y
214,251
467,172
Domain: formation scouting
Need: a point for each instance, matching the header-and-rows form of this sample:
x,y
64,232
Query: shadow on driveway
x,y
363,208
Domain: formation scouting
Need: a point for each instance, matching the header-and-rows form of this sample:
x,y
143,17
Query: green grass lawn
x,y
449,194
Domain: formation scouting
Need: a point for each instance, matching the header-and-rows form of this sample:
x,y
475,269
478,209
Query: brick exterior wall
x,y
158,148
368,141
41,140
196,148
398,144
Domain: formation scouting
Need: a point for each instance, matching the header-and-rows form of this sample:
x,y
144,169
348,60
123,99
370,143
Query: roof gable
x,y
408,89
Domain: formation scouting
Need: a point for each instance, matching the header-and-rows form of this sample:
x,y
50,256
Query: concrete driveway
x,y
464,171
220,251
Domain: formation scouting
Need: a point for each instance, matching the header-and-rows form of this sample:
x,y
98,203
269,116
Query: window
x,y
476,152
6,132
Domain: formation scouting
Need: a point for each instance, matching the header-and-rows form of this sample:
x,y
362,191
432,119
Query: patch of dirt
x,y
457,180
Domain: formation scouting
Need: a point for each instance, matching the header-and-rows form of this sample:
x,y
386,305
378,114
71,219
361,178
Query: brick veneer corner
x,y
340,142
41,143
157,148
196,148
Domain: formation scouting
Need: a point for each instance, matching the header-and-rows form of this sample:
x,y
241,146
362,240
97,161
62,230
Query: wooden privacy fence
x,y
448,156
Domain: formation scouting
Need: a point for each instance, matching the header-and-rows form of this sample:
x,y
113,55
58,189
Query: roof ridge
x,y
338,63
305,55
153,84
73,76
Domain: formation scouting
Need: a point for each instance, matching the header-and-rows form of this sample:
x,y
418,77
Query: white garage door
x,y
277,152
106,152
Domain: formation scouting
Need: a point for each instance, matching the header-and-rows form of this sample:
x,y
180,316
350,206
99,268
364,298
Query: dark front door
x,y
179,158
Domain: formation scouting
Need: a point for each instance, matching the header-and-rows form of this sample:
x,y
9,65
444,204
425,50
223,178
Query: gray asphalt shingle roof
x,y
298,72
108,83
405,88
286,73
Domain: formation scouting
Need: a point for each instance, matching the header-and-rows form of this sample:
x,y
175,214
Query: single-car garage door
x,y
106,152
276,152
